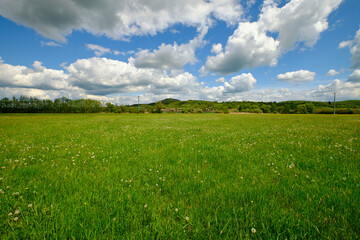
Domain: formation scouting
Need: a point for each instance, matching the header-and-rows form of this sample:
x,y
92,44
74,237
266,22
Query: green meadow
x,y
179,176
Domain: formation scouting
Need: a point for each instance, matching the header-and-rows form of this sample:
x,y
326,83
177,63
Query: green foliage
x,y
324,110
225,109
158,107
110,107
265,108
301,109
344,111
63,105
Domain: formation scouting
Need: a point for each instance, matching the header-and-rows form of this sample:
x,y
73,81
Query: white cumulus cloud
x,y
104,76
249,46
220,80
36,77
344,44
50,44
240,83
98,50
355,51
332,72
171,56
355,76
254,44
216,48
117,19
297,77
354,46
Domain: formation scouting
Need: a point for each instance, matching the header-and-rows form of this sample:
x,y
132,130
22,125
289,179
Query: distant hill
x,y
166,101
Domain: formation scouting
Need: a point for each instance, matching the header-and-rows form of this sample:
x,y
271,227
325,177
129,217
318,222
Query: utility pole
x,y
334,102
138,104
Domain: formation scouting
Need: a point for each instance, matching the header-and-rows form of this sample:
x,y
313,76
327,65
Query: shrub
x,y
256,110
324,110
344,111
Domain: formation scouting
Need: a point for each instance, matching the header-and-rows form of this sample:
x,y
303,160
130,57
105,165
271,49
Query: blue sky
x,y
219,50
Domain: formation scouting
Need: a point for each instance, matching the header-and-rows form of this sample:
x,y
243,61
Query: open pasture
x,y
179,176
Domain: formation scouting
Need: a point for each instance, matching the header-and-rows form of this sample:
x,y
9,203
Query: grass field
x,y
179,176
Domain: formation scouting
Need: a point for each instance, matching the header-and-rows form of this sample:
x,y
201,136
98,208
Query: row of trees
x,y
288,107
25,104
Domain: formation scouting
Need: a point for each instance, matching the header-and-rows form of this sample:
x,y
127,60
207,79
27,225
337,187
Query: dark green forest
x,y
25,104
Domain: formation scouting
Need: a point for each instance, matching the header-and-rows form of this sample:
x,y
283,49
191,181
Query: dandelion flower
x,y
253,230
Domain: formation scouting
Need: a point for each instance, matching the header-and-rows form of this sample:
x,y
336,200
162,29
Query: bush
x,y
158,107
256,110
344,111
324,110
329,110
356,111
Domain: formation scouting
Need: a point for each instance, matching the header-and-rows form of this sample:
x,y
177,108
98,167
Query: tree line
x,y
25,104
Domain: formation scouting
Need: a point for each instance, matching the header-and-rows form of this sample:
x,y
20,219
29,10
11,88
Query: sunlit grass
x,y
107,176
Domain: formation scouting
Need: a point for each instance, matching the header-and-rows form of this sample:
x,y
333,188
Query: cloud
x,y
102,76
50,44
297,21
98,50
297,77
355,51
249,46
332,72
97,78
344,90
344,44
254,43
355,76
250,3
116,19
37,77
216,48
240,83
168,56
354,46
220,80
